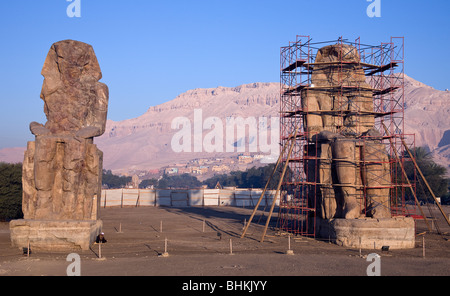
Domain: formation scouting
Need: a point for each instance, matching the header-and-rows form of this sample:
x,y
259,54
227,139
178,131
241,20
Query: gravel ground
x,y
196,249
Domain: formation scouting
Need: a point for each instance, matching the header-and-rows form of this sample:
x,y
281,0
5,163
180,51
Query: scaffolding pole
x,y
262,194
407,179
426,183
279,185
383,69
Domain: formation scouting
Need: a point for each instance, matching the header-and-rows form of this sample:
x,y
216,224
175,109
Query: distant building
x,y
171,171
220,168
245,159
200,170
184,170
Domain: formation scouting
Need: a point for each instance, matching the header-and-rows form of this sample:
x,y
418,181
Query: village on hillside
x,y
201,168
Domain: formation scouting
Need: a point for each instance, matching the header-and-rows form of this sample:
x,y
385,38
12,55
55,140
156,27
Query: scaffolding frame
x,y
383,67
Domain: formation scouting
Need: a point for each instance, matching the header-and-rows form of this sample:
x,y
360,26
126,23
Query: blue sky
x,y
151,51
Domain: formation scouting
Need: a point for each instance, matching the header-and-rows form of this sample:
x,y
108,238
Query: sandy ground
x,y
195,249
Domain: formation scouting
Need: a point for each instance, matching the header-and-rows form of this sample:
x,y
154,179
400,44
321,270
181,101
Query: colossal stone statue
x,y
62,168
340,126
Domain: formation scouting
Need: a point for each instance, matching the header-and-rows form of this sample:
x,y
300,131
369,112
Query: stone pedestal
x,y
54,235
369,233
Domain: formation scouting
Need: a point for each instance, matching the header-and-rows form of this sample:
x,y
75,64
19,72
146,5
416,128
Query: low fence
x,y
185,197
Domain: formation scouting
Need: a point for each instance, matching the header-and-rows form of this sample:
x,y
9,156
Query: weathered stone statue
x,y
340,125
62,168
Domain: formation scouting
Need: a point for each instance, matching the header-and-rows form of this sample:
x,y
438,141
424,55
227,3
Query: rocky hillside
x,y
146,142
427,115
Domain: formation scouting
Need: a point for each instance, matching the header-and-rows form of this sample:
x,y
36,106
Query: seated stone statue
x,y
62,168
350,164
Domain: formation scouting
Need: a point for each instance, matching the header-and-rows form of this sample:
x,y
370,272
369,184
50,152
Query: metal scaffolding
x,y
303,187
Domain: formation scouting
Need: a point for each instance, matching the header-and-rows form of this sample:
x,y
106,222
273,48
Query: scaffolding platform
x,y
343,89
382,66
293,66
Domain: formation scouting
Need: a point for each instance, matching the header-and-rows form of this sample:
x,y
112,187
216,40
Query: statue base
x,y
369,233
54,235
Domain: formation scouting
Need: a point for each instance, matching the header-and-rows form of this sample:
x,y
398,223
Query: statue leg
x,y
378,180
44,176
328,202
74,180
344,158
93,165
28,184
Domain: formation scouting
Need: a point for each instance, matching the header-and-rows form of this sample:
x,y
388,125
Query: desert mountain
x,y
147,142
427,115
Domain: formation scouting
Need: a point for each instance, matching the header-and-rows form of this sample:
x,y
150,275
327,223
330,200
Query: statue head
x,y
73,96
338,52
68,64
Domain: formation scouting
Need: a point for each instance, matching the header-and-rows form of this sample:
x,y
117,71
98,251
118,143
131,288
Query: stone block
x,y
54,235
369,233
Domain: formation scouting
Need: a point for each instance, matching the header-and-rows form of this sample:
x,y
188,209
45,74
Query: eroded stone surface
x,y
352,169
55,235
62,168
370,233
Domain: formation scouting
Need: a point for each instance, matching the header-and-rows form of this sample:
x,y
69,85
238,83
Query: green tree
x,y
251,178
445,200
114,181
10,191
179,181
148,182
433,173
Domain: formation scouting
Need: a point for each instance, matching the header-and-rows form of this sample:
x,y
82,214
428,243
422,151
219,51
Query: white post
x,y
423,246
165,254
289,251
360,247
